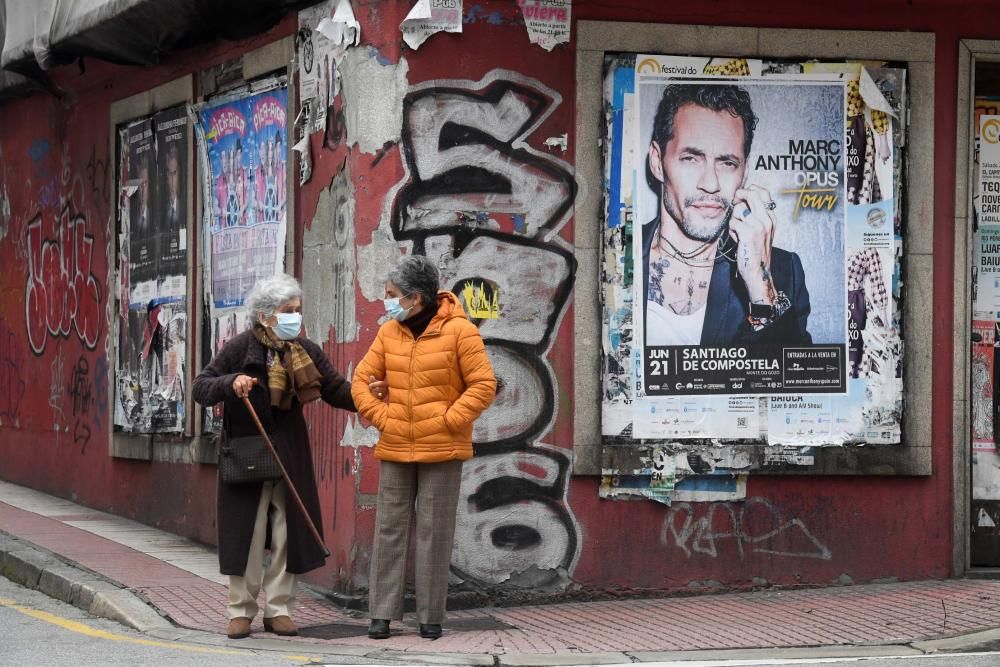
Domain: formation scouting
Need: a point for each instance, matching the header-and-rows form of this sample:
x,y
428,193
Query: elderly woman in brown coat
x,y
279,372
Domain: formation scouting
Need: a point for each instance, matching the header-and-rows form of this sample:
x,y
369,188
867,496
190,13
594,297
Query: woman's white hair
x,y
269,293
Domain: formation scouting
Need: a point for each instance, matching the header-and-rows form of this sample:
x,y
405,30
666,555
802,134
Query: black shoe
x,y
430,630
379,629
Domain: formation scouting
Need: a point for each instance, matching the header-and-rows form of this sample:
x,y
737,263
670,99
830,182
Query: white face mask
x,y
395,310
288,325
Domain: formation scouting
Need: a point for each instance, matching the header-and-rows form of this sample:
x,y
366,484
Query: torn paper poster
x,y
152,349
326,31
305,159
428,17
547,21
342,29
871,94
649,473
982,376
711,488
985,480
302,146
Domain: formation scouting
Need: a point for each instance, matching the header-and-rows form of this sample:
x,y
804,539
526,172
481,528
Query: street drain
x,y
334,631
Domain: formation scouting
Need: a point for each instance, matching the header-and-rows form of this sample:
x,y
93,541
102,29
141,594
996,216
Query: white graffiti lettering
x,y
62,292
755,525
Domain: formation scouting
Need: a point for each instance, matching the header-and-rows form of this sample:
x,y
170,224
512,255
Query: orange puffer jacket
x,y
439,384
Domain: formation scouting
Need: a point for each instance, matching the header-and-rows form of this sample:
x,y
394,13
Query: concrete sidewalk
x,y
170,588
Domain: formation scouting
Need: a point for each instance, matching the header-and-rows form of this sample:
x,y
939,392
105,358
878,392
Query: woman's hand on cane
x,y
242,385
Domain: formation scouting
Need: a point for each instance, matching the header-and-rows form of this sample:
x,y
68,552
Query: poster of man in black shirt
x,y
747,181
142,226
171,156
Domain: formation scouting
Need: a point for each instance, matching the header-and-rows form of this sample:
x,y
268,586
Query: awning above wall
x,y
26,36
44,33
122,31
11,83
139,32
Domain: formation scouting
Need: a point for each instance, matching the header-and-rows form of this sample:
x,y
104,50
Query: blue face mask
x,y
289,325
395,310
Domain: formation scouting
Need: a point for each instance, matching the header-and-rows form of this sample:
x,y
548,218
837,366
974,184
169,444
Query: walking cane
x,y
288,481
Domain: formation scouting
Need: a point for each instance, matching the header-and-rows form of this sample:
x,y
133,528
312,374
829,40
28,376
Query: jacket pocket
x,y
449,422
380,419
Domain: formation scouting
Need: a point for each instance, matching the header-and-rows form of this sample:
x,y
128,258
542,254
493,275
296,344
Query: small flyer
x,y
428,17
547,21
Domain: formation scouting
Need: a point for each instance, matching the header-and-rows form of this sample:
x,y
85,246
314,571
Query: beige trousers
x,y
278,585
434,487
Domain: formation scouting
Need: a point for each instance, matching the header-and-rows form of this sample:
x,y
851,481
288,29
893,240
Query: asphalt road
x,y
38,630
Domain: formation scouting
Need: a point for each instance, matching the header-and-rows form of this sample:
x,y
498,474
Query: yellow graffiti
x,y
481,306
728,67
817,199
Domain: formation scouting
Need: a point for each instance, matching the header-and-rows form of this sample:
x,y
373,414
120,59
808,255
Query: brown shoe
x,y
281,625
239,628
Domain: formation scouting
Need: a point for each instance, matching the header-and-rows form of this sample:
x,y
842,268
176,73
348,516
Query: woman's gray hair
x,y
415,274
269,293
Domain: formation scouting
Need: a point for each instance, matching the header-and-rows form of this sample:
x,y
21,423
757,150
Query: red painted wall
x,y
54,156
54,298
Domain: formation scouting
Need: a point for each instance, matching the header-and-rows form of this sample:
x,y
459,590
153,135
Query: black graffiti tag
x,y
12,382
485,206
80,391
98,175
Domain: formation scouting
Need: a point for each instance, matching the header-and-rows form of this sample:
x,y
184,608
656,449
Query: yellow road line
x,y
81,628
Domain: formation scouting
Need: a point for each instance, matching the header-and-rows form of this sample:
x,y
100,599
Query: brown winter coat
x,y
438,383
237,504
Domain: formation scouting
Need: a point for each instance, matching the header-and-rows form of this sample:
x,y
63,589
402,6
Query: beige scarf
x,y
290,370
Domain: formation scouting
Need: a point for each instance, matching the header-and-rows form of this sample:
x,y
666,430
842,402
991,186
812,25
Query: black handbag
x,y
247,460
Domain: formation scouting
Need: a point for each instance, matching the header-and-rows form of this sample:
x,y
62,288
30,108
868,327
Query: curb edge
x,y
39,569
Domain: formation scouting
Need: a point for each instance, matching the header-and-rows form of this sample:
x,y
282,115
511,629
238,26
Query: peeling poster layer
x,y
374,262
329,264
373,94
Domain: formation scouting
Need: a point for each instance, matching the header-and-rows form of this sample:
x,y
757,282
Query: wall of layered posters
x,y
751,289
153,263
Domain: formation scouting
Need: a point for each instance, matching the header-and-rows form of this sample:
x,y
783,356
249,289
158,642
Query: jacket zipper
x,y
409,394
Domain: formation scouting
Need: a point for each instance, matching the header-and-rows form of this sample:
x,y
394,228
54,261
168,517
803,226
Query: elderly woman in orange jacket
x,y
429,361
